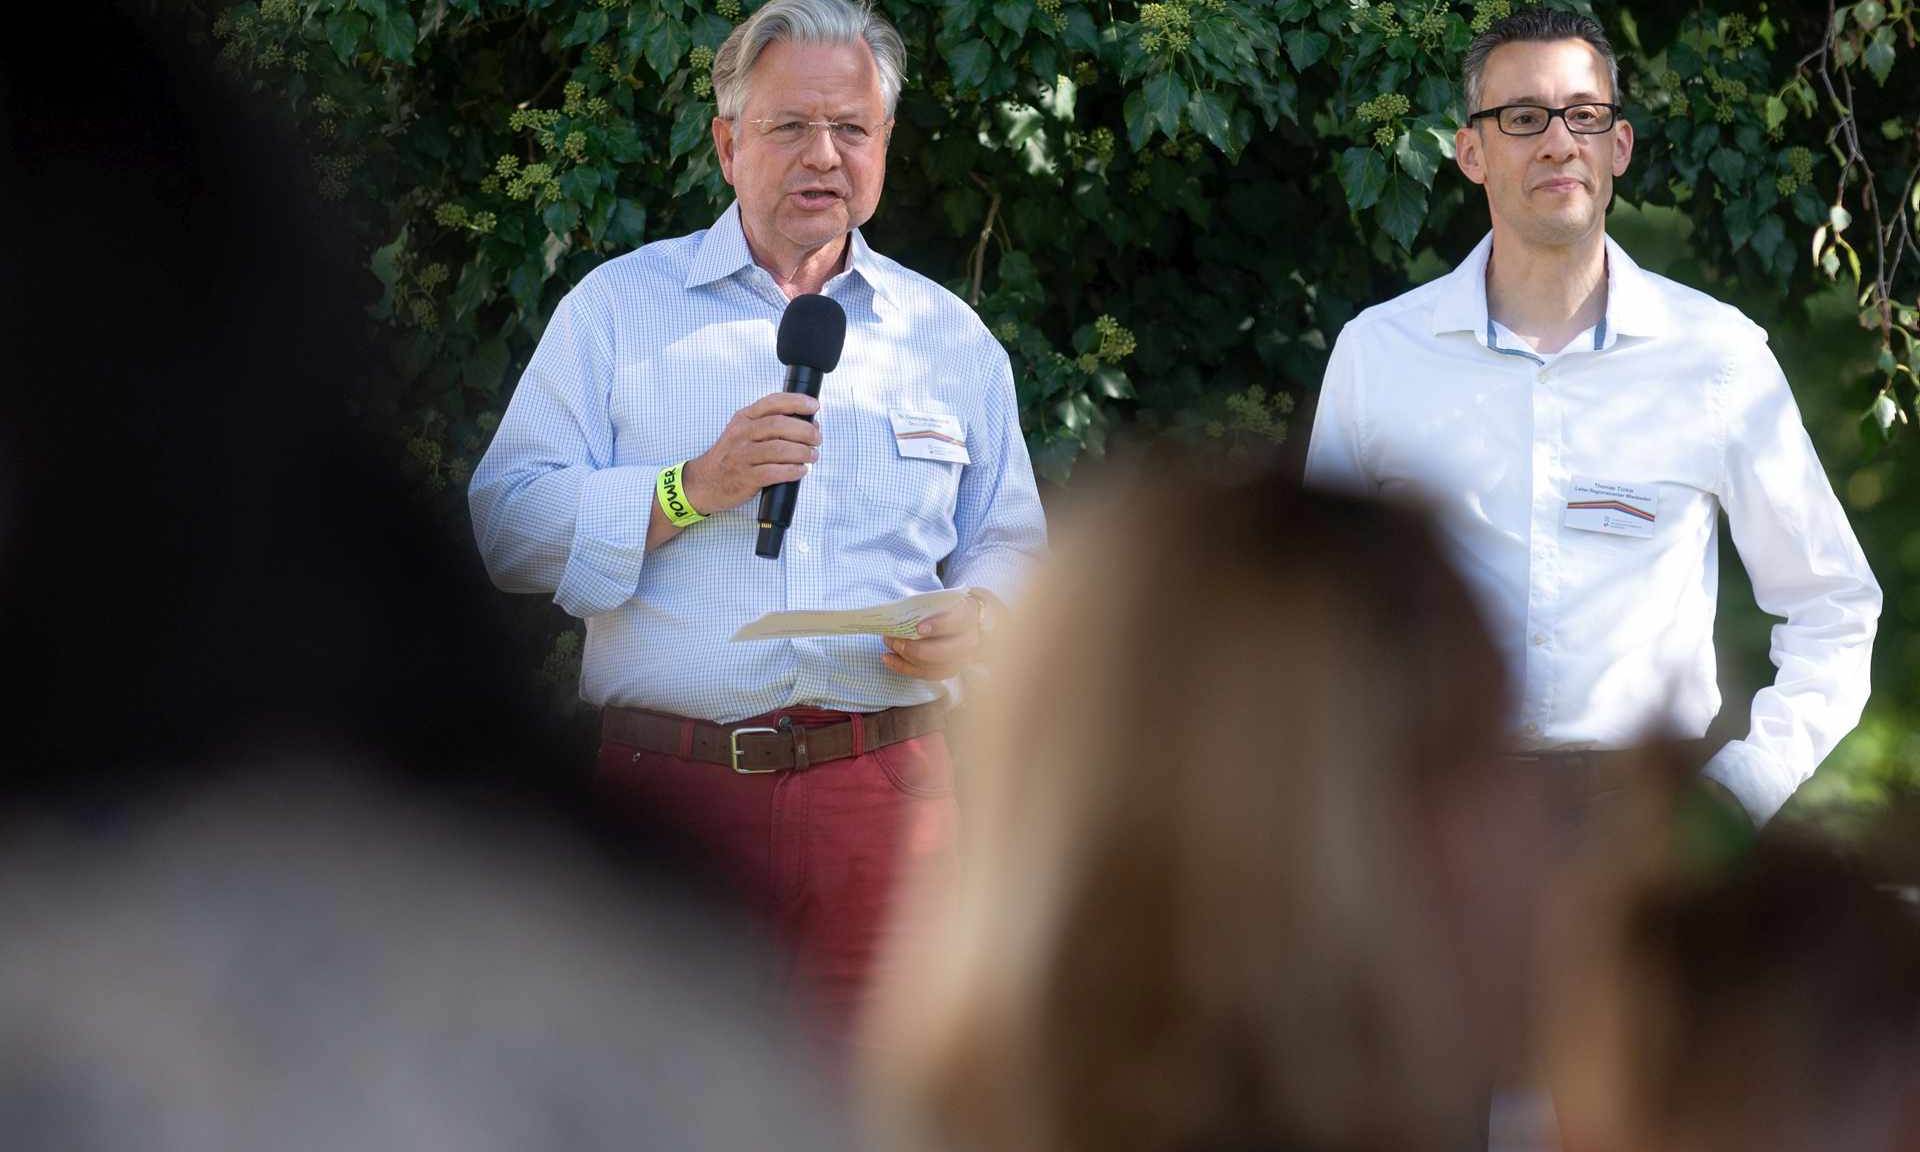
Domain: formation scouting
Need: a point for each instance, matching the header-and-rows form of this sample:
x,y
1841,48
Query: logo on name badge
x,y
1612,508
930,436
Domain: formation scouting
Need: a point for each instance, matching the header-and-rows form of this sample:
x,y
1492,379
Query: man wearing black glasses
x,y
1579,425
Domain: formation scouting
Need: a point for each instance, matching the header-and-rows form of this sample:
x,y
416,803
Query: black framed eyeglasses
x,y
1533,119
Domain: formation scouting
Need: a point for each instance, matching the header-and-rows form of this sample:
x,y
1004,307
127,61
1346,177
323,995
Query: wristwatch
x,y
991,609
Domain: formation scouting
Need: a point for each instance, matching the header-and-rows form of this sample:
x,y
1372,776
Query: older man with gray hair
x,y
620,482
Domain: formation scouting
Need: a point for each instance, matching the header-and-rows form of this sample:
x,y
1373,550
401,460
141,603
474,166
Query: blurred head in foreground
x,y
1770,1005
298,962
1229,803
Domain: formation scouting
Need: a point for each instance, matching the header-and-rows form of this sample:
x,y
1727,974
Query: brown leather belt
x,y
1591,772
1693,752
750,748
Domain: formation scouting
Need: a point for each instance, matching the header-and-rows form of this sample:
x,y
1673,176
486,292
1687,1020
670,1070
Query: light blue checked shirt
x,y
640,367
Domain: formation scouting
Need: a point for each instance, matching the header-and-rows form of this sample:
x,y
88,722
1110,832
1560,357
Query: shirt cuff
x,y
609,540
1756,779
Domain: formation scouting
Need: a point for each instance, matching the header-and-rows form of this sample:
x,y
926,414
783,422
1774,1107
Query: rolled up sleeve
x,y
551,514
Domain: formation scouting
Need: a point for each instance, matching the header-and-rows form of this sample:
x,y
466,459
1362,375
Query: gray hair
x,y
1535,25
806,22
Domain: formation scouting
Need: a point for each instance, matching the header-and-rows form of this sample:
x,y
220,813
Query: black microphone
x,y
811,334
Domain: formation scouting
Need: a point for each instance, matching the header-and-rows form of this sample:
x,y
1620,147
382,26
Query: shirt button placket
x,y
1543,568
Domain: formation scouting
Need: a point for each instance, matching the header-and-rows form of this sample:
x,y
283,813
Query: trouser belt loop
x,y
798,734
686,740
859,735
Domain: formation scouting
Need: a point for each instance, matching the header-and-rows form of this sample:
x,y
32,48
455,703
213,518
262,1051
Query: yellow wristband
x,y
673,497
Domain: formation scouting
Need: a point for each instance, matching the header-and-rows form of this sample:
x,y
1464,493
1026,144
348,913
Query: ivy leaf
x,y
1880,55
485,365
1166,95
396,35
1683,59
344,33
1072,413
1740,222
386,259
1139,120
1435,94
1729,167
1776,112
1113,383
1769,239
1082,34
629,225
709,31
580,182
1363,173
588,27
667,42
476,284
691,125
970,63
525,284
599,216
1014,14
1209,114
1418,154
1305,48
1402,209
561,217
1053,459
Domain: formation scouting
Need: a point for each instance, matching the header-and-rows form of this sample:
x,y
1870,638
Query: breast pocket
x,y
904,491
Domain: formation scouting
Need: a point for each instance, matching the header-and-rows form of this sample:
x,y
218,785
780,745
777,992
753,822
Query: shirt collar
x,y
1462,306
723,251
1634,304
1634,307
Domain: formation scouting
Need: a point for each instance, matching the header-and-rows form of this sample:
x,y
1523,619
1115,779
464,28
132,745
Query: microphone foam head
x,y
811,332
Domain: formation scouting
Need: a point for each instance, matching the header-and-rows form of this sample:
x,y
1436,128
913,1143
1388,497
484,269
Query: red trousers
x,y
817,851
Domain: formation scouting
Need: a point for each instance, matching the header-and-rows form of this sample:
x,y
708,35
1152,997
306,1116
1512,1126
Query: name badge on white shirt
x,y
1616,509
930,436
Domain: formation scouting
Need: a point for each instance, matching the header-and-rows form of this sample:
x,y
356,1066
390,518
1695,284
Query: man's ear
x,y
723,145
1622,147
1466,154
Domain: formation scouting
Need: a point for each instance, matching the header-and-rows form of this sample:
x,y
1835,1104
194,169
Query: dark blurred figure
x,y
199,551
1771,1003
1231,809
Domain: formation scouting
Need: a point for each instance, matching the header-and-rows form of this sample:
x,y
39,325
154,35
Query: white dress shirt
x,y
640,367
1610,636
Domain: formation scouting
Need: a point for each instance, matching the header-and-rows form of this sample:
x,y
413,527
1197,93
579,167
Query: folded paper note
x,y
900,618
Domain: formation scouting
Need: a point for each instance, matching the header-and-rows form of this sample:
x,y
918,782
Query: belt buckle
x,y
733,746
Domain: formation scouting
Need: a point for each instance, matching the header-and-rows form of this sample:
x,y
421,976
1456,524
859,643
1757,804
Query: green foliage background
x,y
1165,211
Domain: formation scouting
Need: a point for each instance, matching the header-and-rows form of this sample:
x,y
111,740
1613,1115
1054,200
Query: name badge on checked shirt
x,y
1615,509
930,436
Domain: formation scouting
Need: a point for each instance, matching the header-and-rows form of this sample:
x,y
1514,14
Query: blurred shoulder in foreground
x,y
303,960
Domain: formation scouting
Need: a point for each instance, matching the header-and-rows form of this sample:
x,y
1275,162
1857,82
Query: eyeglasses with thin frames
x,y
1533,119
850,135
